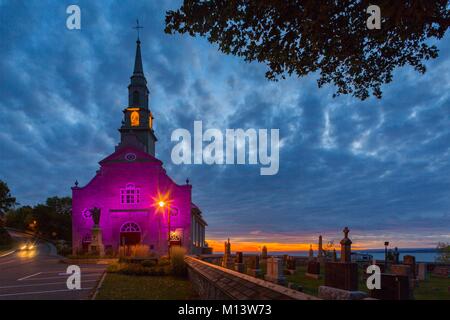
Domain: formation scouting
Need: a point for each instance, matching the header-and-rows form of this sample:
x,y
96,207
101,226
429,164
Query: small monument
x,y
344,274
410,261
254,269
239,265
264,252
396,256
228,247
96,246
227,261
275,272
334,258
346,247
311,253
320,254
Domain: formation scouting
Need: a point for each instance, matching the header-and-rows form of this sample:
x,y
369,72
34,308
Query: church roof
x,y
130,154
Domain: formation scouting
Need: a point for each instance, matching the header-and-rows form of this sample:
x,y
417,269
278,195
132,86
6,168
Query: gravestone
x,y
275,272
291,264
254,268
311,253
404,270
227,247
441,271
401,270
342,275
264,253
239,265
330,293
313,270
393,287
334,258
410,261
227,261
422,271
320,254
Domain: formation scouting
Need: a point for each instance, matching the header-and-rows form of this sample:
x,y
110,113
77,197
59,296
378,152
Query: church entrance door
x,y
130,234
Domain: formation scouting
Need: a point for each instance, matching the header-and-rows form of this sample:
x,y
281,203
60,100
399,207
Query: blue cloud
x,y
381,167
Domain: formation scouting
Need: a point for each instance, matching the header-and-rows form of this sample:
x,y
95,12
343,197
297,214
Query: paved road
x,y
38,274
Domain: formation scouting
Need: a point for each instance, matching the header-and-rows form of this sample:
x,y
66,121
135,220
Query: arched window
x,y
134,117
130,194
130,227
136,98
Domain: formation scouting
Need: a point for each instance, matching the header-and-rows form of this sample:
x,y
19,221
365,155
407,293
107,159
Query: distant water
x,y
421,254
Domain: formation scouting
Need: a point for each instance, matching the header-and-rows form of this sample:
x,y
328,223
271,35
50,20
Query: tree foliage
x,y
443,252
325,36
51,220
6,200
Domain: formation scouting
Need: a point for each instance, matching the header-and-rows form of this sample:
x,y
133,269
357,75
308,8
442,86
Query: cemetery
x,y
322,276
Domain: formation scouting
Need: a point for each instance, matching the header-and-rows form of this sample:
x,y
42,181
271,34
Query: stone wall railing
x,y
213,282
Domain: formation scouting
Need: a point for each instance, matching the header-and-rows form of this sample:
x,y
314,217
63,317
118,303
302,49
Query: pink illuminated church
x,y
139,203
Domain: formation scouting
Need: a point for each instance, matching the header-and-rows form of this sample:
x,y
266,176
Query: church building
x,y
139,203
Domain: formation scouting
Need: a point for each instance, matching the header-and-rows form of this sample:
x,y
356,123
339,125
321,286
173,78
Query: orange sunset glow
x,y
273,246
245,246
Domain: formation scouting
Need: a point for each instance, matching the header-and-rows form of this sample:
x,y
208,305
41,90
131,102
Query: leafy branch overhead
x,y
325,36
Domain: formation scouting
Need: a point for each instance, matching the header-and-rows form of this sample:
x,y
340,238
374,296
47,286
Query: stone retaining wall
x,y
213,282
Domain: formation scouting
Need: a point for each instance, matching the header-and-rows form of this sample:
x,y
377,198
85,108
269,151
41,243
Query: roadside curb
x,y
99,285
7,253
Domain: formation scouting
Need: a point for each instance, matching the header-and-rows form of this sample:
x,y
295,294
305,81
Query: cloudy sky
x,y
380,167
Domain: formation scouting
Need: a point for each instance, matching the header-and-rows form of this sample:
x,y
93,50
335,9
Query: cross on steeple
x,y
137,28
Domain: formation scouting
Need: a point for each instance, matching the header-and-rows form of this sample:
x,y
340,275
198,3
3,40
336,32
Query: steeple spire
x,y
137,125
138,69
137,90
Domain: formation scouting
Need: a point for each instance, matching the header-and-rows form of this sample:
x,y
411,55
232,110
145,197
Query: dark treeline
x,y
51,220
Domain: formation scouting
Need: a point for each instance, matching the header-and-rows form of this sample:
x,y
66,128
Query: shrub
x,y
140,250
164,261
149,263
136,251
177,261
137,269
5,238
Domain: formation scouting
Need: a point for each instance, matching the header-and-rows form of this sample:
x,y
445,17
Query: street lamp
x,y
163,204
386,243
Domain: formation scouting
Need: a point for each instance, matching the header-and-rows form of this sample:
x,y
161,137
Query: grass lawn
x,y
310,286
435,288
126,287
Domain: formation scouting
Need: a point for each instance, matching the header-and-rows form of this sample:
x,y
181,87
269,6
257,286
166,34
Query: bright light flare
x,y
161,202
